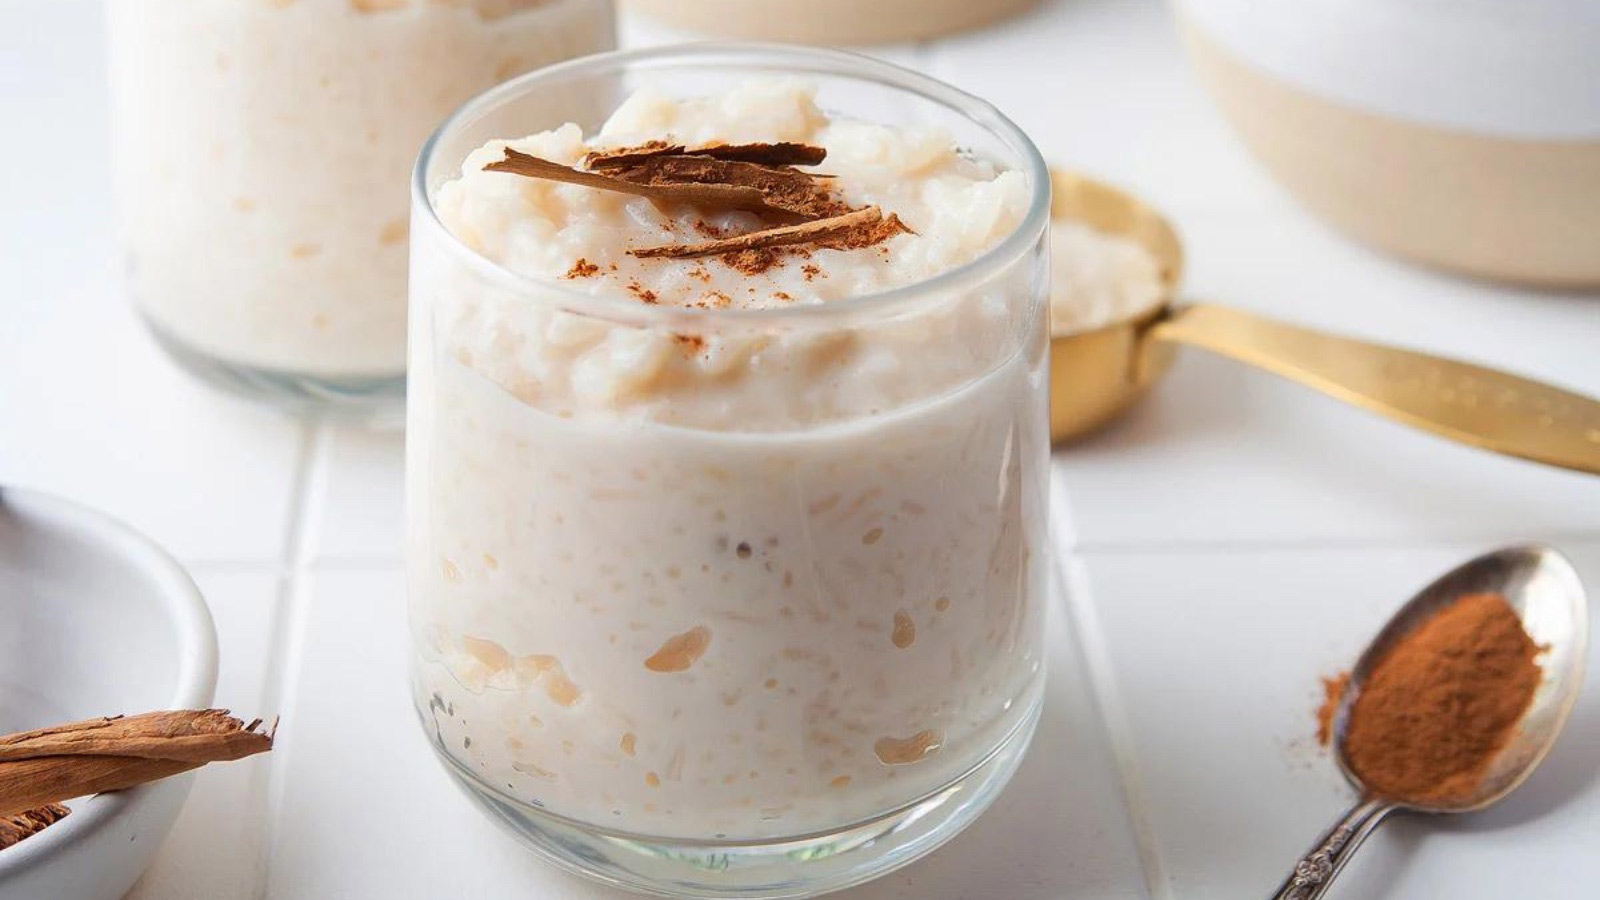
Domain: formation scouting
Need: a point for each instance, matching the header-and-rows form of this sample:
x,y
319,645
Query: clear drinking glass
x,y
262,148
860,597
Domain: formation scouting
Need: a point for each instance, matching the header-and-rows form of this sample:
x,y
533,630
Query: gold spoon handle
x,y
1457,400
1316,870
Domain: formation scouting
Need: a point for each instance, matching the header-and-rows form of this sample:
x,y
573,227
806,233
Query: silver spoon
x,y
1541,585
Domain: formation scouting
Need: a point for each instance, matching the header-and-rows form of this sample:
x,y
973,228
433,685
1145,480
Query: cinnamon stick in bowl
x,y
48,765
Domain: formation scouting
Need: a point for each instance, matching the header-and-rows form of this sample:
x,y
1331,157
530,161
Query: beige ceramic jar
x,y
1464,135
829,21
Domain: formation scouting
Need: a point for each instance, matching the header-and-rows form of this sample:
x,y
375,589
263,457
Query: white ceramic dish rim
x,y
186,610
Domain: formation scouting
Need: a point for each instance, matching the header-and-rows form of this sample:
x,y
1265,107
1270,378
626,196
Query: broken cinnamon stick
x,y
712,196
627,156
805,233
791,190
108,754
782,153
27,824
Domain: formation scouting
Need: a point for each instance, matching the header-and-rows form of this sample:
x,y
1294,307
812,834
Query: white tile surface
x,y
1213,665
214,852
359,484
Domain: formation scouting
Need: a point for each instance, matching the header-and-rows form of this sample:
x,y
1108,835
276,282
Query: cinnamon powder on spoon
x,y
1442,703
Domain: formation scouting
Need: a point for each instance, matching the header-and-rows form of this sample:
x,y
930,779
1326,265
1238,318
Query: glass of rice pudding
x,y
262,148
727,463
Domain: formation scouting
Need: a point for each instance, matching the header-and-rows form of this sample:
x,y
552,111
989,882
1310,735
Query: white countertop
x,y
1219,549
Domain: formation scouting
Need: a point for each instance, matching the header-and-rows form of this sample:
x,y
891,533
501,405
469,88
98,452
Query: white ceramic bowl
x,y
1462,134
95,619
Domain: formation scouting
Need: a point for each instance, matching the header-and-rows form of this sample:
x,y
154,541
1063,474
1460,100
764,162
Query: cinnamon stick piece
x,y
29,823
804,195
710,196
788,235
109,754
782,153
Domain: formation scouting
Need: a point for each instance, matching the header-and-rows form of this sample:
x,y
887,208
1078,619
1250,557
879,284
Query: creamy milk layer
x,y
693,579
263,150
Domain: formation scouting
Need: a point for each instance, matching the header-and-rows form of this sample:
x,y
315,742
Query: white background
x,y
1219,549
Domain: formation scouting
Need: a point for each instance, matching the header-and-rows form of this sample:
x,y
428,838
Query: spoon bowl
x,y
1543,589
1096,375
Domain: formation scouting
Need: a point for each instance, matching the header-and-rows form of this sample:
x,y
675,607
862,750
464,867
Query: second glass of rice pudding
x,y
261,149
727,463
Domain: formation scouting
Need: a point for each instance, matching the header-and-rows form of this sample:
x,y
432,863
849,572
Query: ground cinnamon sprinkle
x,y
582,269
1438,708
871,235
752,262
706,229
1332,693
644,294
691,343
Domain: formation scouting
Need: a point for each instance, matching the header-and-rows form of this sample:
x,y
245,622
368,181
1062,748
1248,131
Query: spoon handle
x,y
1317,869
1467,403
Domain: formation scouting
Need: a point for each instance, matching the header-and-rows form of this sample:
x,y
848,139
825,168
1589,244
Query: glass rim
x,y
801,60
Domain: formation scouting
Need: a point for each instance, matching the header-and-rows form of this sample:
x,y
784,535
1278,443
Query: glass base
x,y
372,400
775,869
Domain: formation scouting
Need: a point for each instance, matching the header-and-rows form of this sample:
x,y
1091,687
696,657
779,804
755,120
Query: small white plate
x,y
95,620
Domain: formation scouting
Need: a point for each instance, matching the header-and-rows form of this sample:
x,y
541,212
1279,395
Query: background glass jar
x,y
766,637
262,148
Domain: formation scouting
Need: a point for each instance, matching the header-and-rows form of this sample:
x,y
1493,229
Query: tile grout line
x,y
273,567
1229,546
1092,650
372,563
1064,535
1064,532
1093,655
289,622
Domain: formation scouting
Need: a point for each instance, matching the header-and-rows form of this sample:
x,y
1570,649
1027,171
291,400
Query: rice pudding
x,y
691,555
261,152
1099,279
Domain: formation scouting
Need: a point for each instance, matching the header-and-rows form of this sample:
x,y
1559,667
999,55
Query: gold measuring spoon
x,y
1544,590
1095,375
